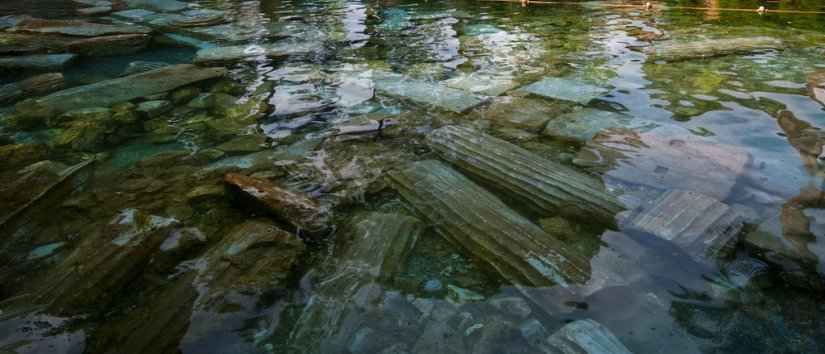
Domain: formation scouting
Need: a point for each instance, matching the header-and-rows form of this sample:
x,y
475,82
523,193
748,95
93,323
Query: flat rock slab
x,y
666,160
76,28
295,208
565,90
703,227
158,5
586,336
135,15
545,186
473,218
38,62
109,92
482,84
530,114
582,125
427,93
675,51
241,52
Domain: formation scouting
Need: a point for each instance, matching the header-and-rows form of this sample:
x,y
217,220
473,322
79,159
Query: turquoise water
x,y
414,177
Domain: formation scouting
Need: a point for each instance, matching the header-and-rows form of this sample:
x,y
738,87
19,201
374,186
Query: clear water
x,y
80,277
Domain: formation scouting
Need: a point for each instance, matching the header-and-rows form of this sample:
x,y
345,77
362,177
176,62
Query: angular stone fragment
x,y
705,228
585,337
38,62
544,185
241,52
423,92
109,92
294,208
486,228
379,245
582,125
711,48
565,90
666,160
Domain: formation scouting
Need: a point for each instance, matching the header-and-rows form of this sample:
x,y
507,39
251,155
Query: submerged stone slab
x,y
703,227
110,45
76,28
565,90
38,62
423,92
482,84
582,125
378,247
486,228
33,86
585,337
109,92
543,185
666,159
135,15
158,5
526,113
236,53
711,48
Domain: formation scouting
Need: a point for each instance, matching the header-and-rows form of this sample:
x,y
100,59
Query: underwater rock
x,y
564,90
18,155
135,15
206,306
93,113
794,255
486,228
377,249
585,337
152,109
109,92
543,185
423,92
33,86
158,5
109,45
370,127
676,51
705,228
76,28
582,125
294,208
481,84
94,11
38,62
816,86
83,135
242,52
104,262
666,159
243,144
520,112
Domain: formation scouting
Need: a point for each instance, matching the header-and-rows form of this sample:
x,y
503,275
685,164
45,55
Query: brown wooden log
x,y
545,186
